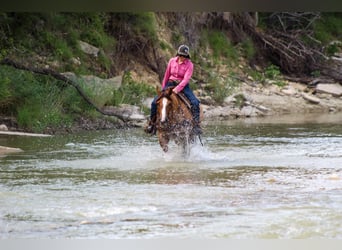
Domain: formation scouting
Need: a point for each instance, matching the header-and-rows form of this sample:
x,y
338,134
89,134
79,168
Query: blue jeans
x,y
195,103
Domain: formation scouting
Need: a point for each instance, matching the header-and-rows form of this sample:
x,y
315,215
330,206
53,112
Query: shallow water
x,y
278,178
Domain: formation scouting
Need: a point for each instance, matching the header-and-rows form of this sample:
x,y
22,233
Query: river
x,y
271,178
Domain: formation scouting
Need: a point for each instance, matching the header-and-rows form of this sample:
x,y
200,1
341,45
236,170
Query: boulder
x,y
127,112
7,150
89,49
100,89
333,89
3,127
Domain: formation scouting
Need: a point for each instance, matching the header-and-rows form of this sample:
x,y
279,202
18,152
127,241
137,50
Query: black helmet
x,y
183,50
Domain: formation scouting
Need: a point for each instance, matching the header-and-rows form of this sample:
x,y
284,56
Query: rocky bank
x,y
258,100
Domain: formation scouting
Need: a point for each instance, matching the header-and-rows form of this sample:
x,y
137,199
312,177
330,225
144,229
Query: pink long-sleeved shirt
x,y
178,72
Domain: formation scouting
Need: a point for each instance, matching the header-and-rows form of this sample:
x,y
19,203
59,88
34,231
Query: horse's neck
x,y
182,110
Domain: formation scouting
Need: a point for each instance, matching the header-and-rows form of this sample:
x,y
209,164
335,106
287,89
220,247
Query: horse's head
x,y
166,104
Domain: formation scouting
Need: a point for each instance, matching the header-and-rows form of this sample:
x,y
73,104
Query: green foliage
x,y
60,46
221,45
138,24
248,48
56,36
38,102
239,100
5,93
131,92
329,27
316,73
271,74
219,88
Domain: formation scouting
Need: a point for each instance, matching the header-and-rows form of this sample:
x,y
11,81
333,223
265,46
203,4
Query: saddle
x,y
184,99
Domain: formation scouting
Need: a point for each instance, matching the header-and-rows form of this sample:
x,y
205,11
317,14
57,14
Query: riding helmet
x,y
183,50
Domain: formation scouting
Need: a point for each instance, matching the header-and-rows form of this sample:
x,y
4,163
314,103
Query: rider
x,y
177,74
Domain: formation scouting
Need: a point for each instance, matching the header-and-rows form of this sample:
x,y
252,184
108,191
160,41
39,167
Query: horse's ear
x,y
169,91
158,90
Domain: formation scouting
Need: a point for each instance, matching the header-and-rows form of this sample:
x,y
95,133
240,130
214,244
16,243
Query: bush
x,y
328,28
131,92
219,88
221,46
248,48
38,102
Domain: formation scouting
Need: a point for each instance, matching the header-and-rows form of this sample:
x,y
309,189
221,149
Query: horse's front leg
x,y
164,141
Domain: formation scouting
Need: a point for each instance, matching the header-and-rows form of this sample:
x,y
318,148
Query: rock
x,y
126,111
207,100
101,89
3,127
333,89
248,111
76,61
89,49
147,102
311,98
218,111
289,91
229,100
7,150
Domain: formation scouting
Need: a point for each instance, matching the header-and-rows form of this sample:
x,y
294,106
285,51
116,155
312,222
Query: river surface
x,y
274,178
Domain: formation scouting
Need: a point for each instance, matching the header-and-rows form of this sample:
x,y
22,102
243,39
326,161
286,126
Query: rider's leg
x,y
151,127
195,108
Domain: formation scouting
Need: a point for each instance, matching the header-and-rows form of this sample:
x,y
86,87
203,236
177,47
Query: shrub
x,y
248,48
132,92
221,46
219,87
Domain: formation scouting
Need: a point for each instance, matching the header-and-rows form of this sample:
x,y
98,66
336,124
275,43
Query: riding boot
x,y
197,130
151,126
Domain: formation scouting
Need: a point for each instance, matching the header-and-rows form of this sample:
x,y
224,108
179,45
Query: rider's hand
x,y
175,91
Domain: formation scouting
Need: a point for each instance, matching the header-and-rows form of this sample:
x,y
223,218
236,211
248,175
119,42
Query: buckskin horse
x,y
174,120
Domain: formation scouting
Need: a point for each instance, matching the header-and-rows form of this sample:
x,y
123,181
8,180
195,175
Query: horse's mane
x,y
180,97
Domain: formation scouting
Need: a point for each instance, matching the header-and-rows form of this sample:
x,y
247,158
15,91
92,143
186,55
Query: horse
x,y
174,120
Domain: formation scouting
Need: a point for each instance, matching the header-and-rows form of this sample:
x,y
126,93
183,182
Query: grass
x,y
132,92
38,102
221,87
221,46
